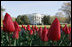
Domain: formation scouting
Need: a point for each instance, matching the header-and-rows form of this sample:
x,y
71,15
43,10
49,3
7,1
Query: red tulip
x,y
17,28
36,29
63,28
8,25
16,35
28,27
22,26
48,29
25,28
54,31
66,30
40,31
35,26
32,27
4,29
70,29
44,34
16,32
31,32
70,36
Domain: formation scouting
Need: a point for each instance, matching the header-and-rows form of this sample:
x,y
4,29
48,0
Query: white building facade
x,y
35,18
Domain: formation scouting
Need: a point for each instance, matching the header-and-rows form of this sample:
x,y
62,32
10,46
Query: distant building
x,y
35,18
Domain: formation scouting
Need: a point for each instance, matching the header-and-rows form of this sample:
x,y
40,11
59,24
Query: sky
x,y
15,8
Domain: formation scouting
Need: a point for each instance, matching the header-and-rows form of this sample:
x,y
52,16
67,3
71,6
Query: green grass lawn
x,y
69,25
36,25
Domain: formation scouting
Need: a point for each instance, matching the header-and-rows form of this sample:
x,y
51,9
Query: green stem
x,y
45,43
52,43
64,37
15,42
40,42
9,39
19,39
30,42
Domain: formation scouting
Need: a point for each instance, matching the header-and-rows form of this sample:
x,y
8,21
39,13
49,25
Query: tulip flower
x,y
70,29
30,37
44,34
32,27
31,32
70,33
48,29
54,31
22,26
4,29
28,27
35,26
17,26
8,24
66,29
16,32
16,35
70,36
25,28
36,29
40,31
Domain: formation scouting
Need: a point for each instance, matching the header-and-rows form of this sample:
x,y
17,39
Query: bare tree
x,y
66,8
59,14
2,9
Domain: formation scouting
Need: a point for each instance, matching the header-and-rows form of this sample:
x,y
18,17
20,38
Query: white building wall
x,y
35,18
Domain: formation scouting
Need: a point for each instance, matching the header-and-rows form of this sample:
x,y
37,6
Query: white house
x,y
35,18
